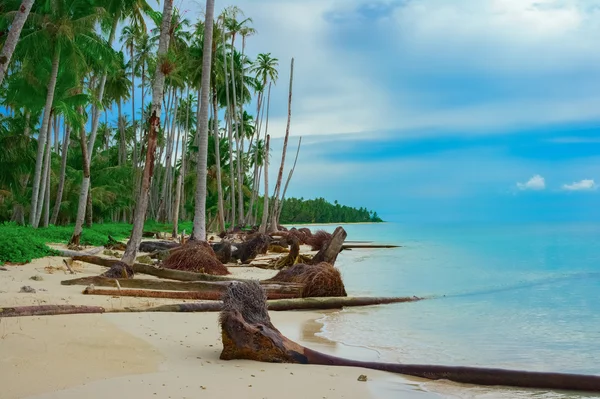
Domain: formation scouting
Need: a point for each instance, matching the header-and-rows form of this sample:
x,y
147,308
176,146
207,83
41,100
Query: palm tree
x,y
65,27
265,70
274,221
13,35
153,125
199,229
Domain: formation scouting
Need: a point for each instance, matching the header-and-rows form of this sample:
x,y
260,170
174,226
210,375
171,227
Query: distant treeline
x,y
299,210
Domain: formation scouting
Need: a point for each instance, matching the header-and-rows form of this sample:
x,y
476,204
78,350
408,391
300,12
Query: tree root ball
x,y
223,251
247,251
197,257
320,280
119,270
318,240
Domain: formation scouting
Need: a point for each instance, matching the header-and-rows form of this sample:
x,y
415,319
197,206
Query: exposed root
x,y
320,280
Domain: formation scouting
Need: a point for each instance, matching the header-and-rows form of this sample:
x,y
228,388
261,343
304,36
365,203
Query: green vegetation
x,y
20,244
299,210
76,119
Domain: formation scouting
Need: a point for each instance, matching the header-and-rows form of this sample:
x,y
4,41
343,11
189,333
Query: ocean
x,y
508,296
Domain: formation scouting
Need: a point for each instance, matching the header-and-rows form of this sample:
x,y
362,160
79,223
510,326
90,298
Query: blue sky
x,y
437,110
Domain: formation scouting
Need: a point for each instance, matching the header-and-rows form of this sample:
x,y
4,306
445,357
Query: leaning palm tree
x,y
20,16
153,126
199,230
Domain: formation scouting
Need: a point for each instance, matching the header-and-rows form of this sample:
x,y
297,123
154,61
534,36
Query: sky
x,y
437,110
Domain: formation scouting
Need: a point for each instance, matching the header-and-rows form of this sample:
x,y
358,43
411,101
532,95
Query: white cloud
x,y
385,78
583,185
537,183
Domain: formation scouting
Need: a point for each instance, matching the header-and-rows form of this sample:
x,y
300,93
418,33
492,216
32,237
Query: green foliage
x,y
319,210
21,244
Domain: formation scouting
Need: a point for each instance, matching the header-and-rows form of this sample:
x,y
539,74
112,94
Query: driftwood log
x,y
278,290
195,295
212,306
47,310
143,268
247,333
331,249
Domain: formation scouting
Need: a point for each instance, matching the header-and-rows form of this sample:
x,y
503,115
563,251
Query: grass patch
x,y
22,244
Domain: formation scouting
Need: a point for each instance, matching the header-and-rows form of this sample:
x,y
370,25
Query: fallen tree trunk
x,y
198,307
331,250
46,310
195,295
368,246
143,268
279,290
296,304
247,333
70,254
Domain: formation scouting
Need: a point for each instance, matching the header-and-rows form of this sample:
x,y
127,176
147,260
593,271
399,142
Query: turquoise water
x,y
513,296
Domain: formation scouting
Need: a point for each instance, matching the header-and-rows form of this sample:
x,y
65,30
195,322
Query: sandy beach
x,y
163,355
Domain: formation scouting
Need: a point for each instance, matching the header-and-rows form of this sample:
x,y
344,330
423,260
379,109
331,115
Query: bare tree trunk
x,y
265,216
178,190
199,230
89,211
274,221
237,123
256,176
162,213
85,185
33,219
154,122
121,124
44,183
288,180
13,37
135,142
56,126
48,170
172,176
220,206
230,134
61,181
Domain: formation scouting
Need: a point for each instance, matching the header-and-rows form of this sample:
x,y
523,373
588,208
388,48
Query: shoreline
x,y
166,354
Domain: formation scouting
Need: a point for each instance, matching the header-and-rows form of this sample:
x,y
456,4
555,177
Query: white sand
x,y
162,355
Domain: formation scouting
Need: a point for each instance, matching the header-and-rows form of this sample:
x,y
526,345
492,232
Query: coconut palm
x,y
19,17
199,230
153,125
60,27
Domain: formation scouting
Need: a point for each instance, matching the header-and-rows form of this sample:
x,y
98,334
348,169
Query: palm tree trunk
x,y
274,221
179,184
230,134
162,213
265,216
61,181
85,185
96,113
288,181
199,230
135,142
56,126
154,122
220,206
43,184
237,126
121,135
42,138
13,37
256,175
47,195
